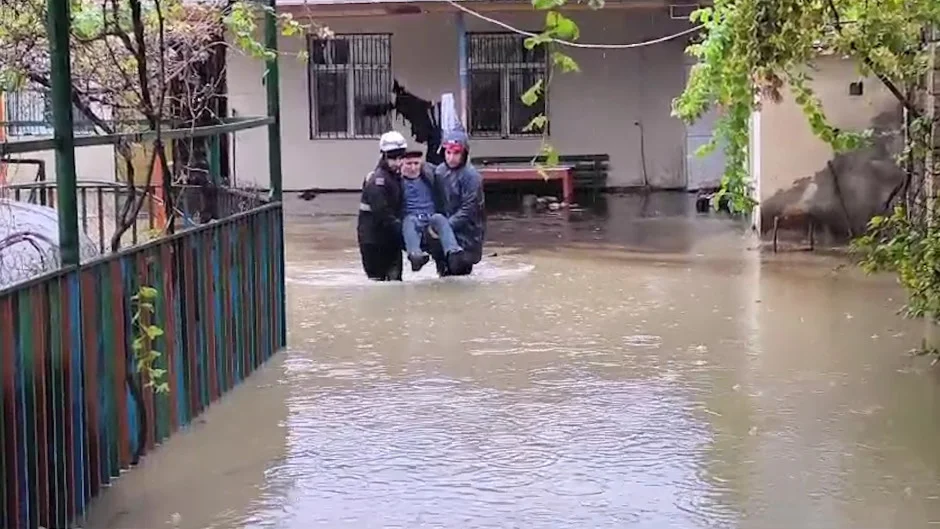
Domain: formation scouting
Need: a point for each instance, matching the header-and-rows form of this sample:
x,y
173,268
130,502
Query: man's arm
x,y
471,194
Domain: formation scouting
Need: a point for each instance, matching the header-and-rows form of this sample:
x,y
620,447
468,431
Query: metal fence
x,y
29,114
74,410
100,205
70,421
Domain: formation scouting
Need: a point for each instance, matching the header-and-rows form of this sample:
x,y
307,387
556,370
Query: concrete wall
x,y
91,163
794,166
594,111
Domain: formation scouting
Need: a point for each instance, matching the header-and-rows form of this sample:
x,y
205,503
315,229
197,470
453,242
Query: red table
x,y
508,174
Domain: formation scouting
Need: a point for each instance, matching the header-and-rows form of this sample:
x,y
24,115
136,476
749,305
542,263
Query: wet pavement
x,y
648,370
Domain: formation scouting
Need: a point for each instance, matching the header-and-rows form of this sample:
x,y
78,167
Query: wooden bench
x,y
588,171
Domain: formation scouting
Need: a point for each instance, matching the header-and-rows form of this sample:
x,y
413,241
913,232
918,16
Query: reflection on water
x,y
569,389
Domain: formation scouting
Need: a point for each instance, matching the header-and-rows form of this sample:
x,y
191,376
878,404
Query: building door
x,y
703,172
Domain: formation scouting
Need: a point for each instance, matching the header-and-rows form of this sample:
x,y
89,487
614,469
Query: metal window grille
x,y
501,69
347,74
29,114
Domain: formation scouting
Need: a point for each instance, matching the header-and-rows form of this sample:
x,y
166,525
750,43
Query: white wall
x,y
91,163
794,172
785,129
594,111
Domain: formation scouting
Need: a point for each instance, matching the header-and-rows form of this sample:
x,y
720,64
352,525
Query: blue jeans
x,y
415,225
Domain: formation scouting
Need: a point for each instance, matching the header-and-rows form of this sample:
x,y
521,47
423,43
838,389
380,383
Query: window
x,y
501,70
348,76
29,113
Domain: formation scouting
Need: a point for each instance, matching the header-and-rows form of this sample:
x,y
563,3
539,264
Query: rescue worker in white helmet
x,y
379,228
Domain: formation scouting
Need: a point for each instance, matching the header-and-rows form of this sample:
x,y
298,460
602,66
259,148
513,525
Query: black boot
x,y
455,261
418,261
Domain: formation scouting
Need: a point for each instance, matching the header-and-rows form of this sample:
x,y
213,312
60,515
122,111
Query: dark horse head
x,y
418,113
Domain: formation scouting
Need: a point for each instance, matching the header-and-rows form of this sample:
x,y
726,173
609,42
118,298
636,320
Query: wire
x,y
575,44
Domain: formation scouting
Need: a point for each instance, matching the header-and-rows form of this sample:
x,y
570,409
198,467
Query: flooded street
x,y
648,371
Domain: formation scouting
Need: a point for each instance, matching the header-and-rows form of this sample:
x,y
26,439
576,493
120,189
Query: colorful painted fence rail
x,y
73,413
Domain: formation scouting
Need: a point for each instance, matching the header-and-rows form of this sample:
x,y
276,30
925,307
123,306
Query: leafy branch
x,y
750,49
557,27
145,334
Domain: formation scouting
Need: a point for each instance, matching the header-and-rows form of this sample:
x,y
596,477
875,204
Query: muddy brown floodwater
x,y
650,370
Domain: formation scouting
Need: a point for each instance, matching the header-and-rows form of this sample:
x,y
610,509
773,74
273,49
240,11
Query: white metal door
x,y
703,172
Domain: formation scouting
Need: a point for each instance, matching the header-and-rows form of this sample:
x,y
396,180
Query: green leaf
x,y
561,27
551,155
531,96
153,332
538,123
542,5
147,293
564,62
538,40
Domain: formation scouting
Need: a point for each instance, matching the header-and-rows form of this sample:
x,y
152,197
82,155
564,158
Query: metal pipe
x,y
61,81
462,66
272,82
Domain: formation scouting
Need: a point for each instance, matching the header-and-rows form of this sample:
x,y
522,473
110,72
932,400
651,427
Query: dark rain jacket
x,y
380,209
461,190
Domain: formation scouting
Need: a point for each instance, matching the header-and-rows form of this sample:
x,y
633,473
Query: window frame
x,y
505,70
350,69
21,128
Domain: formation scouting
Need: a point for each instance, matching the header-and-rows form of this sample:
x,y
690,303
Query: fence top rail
x,y
62,271
38,184
81,140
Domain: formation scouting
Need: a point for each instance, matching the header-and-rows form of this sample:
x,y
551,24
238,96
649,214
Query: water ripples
x,y
349,274
453,453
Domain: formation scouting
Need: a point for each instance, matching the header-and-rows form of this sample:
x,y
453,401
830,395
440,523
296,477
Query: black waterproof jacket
x,y
380,209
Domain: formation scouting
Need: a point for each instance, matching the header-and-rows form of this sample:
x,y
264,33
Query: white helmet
x,y
392,141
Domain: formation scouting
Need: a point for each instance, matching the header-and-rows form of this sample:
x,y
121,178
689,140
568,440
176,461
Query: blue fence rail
x,y
74,410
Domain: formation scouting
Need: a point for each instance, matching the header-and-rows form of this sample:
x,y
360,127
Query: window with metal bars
x,y
501,69
28,113
347,74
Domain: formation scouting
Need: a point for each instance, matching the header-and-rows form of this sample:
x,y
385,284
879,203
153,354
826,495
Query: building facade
x,y
619,103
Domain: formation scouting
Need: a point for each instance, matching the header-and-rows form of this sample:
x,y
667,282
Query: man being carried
x,y
421,207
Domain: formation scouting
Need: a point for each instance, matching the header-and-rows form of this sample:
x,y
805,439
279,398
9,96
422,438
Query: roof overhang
x,y
348,8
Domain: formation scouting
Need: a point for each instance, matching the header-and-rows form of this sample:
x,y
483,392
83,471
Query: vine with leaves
x,y
753,52
558,27
145,333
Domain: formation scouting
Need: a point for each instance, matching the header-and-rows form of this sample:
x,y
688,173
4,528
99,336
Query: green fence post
x,y
215,159
61,80
272,82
